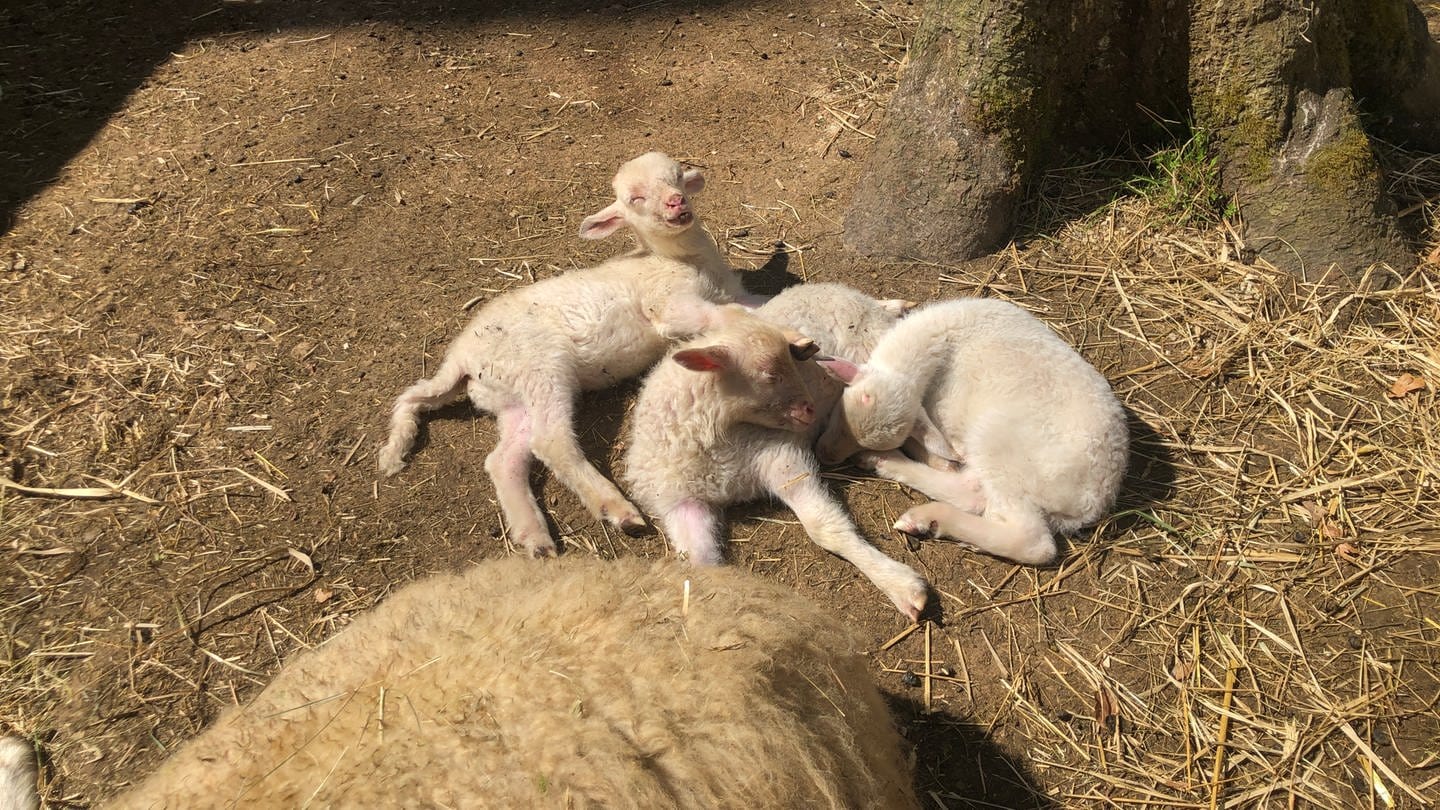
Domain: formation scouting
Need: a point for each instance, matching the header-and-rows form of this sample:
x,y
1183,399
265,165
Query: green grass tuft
x,y
1182,182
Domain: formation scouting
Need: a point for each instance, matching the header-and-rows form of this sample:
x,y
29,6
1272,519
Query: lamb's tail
x,y
17,775
426,395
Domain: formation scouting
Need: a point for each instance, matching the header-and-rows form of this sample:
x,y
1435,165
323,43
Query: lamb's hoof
x,y
634,526
390,464
625,518
538,545
909,595
914,605
923,530
944,464
879,461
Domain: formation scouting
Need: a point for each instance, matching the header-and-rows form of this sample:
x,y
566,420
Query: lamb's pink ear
x,y
604,222
693,181
842,370
706,358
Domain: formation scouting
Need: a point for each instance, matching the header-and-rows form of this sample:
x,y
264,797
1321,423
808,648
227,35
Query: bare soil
x,y
236,230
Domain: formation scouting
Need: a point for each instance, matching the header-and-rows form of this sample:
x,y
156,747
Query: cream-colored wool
x,y
17,775
574,683
1043,437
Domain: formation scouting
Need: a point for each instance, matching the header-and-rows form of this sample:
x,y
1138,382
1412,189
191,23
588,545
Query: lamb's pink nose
x,y
675,201
802,413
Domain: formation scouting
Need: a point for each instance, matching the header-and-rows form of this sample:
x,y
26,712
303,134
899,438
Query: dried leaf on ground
x,y
1405,384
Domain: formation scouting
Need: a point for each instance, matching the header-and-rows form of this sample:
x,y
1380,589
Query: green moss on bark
x,y
1343,166
1249,136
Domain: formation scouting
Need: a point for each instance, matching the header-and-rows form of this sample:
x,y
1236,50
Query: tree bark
x,y
1396,66
996,91
1273,82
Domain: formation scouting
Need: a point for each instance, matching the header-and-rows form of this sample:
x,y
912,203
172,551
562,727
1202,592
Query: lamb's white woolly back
x,y
577,683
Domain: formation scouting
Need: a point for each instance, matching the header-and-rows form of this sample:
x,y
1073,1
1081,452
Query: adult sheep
x,y
578,683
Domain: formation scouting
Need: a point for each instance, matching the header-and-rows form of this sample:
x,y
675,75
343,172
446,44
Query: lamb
x,y
710,430
526,354
1043,438
584,683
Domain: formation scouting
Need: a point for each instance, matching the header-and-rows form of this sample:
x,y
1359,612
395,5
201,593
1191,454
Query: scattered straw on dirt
x,y
280,228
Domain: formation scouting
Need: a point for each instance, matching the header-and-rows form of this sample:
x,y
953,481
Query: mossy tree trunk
x,y
995,91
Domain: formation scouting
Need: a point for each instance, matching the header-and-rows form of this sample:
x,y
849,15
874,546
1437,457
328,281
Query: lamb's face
x,y
656,191
652,195
862,420
755,372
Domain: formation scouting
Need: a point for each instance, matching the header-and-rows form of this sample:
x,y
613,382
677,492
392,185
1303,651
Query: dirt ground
x,y
234,231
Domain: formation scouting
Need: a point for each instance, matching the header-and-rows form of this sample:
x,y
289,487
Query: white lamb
x,y
717,424
526,354
1043,439
581,684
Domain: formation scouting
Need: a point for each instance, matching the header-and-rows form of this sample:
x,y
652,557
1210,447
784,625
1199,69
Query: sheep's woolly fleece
x,y
574,683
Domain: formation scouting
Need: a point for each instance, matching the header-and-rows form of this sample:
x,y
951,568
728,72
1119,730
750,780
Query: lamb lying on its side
x,y
586,683
1043,438
709,429
526,354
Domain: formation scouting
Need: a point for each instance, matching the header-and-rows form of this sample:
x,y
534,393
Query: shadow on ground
x,y
960,766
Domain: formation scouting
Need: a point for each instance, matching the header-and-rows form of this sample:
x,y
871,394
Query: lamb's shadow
x,y
600,424
1149,478
772,276
958,762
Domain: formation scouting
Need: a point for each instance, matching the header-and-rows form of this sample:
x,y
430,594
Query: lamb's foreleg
x,y
827,524
940,452
961,488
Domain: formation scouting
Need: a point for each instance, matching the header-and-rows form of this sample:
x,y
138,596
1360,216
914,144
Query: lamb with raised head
x,y
586,683
709,430
526,354
1043,439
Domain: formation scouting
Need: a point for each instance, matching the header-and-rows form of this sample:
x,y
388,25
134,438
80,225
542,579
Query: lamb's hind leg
x,y
553,442
959,488
509,468
1018,534
828,525
694,531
